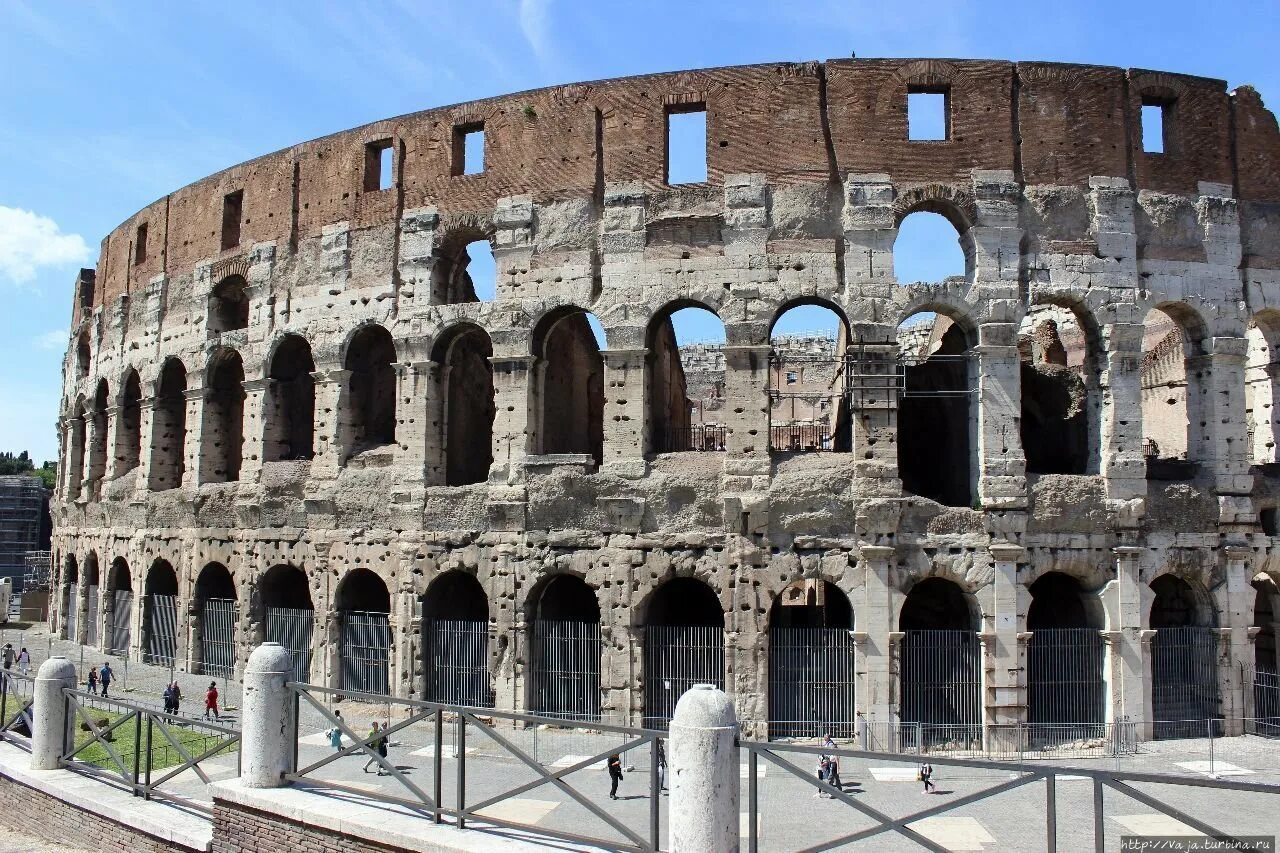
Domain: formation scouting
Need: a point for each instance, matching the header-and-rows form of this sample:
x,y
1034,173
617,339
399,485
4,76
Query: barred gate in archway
x,y
566,668
941,684
121,621
365,652
218,637
162,629
811,682
291,627
69,613
1184,681
1265,713
456,657
676,657
91,615
1064,684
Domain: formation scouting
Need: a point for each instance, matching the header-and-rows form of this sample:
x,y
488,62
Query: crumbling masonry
x,y
281,397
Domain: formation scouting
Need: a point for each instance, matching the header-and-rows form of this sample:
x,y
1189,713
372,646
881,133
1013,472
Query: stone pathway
x,y
13,841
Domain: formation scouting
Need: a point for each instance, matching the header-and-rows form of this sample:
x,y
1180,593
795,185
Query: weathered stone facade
x,y
182,439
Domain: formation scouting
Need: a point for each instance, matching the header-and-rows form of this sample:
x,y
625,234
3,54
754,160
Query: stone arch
x,y
291,400
809,409
567,385
1065,655
457,668
363,590
1062,357
1262,394
68,603
229,305
222,437
465,382
812,661
285,585
563,615
370,356
1184,657
169,426
96,439
940,674
675,420
128,449
84,354
216,608
1173,404
362,606
1180,602
684,625
288,613
451,282
955,205
160,614
76,450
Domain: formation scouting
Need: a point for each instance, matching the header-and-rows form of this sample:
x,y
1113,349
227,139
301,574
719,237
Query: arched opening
x,y
364,608
70,581
569,385
1171,398
465,270
809,385
683,645
97,437
160,615
169,427
1065,656
128,448
466,375
1266,673
290,615
565,658
371,357
76,451
218,614
1261,369
91,608
84,357
685,370
229,305
811,662
941,667
929,248
223,439
1058,353
937,410
1184,659
117,609
455,642
291,408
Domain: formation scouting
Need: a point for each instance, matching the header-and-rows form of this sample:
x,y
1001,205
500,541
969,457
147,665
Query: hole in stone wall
x,y
232,213
468,149
809,403
927,249
371,356
469,404
1155,119
570,382
928,114
290,428
685,366
229,305
379,166
687,144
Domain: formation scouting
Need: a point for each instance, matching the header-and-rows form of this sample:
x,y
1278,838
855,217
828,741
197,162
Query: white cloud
x,y
54,339
534,26
29,241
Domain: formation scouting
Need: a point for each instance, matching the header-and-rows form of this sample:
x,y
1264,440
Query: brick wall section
x,y
20,807
237,829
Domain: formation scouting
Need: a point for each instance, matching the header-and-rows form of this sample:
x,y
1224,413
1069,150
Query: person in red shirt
x,y
211,701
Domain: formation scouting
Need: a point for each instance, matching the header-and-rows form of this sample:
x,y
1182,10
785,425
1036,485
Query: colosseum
x,y
1040,494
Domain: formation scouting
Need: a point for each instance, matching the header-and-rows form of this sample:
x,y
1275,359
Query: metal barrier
x,y
709,438
801,438
442,801
17,692
811,682
148,762
676,657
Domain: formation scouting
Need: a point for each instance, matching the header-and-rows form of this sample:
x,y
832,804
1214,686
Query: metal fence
x,y
1266,702
1064,678
941,686
218,619
162,630
291,627
566,669
702,437
17,692
121,622
800,438
91,615
676,657
365,652
69,613
456,658
811,682
1184,681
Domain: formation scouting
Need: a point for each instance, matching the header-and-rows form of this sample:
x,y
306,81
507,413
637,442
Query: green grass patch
x,y
124,741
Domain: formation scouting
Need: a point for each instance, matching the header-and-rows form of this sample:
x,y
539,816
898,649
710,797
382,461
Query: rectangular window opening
x,y
379,166
1155,126
140,245
232,209
468,149
687,144
928,115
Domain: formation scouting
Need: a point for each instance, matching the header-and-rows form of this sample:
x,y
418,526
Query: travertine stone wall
x,y
810,172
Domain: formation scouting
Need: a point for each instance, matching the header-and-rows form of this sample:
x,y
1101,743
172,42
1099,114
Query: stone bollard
x,y
704,773
267,726
51,725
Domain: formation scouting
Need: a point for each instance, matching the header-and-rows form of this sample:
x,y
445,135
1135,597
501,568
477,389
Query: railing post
x,y
137,748
1209,726
50,722
438,786
704,773
268,722
146,789
1051,813
753,802
460,756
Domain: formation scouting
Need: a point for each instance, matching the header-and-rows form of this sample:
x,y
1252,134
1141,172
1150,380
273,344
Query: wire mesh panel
x,y
162,629
1184,681
291,628
91,615
121,621
457,662
941,684
365,652
566,668
811,682
218,618
1064,676
676,657
69,612
1266,703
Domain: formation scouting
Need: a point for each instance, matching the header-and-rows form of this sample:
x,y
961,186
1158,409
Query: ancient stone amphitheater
x,y
286,414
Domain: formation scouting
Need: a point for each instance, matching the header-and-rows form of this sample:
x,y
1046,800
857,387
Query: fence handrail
x,y
148,709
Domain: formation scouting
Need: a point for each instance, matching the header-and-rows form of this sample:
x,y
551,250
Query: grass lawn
x,y
194,740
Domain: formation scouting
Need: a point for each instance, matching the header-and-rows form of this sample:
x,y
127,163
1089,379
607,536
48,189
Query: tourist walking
x,y
372,743
926,774
24,661
833,765
211,701
615,774
9,655
824,766
104,677
177,698
168,698
335,734
662,765
382,749
93,681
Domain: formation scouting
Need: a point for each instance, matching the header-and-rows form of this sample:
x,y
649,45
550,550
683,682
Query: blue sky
x,y
105,107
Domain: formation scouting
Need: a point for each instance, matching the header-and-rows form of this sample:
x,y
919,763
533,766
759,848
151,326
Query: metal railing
x,y
709,438
801,438
143,749
17,692
443,734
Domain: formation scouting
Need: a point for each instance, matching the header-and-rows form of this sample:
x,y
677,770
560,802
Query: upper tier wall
x,y
1048,123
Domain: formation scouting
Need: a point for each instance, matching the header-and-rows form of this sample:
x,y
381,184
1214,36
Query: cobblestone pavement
x,y
13,841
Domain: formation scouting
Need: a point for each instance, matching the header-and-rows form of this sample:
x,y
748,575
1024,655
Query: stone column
x,y
433,409
511,423
1006,701
111,468
704,773
82,609
1002,466
626,425
52,726
268,728
413,432
746,380
1135,658
1121,458
332,422
193,455
875,623
1235,603
94,453
257,397
146,444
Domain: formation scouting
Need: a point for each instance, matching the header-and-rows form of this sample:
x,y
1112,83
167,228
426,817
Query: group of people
x,y
377,739
21,658
829,770
173,698
103,677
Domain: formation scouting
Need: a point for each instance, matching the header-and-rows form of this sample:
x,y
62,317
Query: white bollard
x,y
51,725
267,727
704,773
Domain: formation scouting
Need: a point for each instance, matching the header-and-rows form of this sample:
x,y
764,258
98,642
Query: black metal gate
x,y
121,621
365,652
566,669
676,657
456,657
1265,719
91,616
162,629
69,613
218,637
1064,678
811,682
1184,681
941,687
291,627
